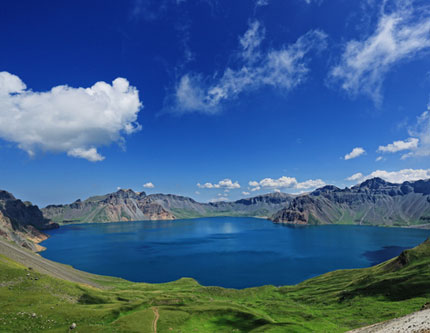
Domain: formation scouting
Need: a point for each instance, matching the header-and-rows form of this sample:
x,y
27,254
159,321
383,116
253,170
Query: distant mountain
x,y
21,222
373,202
127,205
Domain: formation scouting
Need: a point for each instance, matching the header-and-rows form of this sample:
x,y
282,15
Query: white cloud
x,y
285,182
419,142
277,190
219,199
64,119
421,130
225,183
245,193
408,144
379,158
401,34
395,176
284,68
311,183
355,176
282,182
355,153
89,154
251,41
148,185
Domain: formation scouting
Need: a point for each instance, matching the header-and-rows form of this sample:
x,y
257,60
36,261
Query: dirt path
x,y
154,322
45,266
417,322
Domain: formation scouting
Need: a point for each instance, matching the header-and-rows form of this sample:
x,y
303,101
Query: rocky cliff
x,y
373,202
127,205
123,205
21,222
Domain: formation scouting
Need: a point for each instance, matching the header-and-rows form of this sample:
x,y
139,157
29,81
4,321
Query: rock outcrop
x,y
373,202
22,222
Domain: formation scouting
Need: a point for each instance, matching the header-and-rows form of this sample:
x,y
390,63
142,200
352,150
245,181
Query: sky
x,y
212,99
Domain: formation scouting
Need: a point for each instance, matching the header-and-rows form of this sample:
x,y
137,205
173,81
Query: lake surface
x,y
224,251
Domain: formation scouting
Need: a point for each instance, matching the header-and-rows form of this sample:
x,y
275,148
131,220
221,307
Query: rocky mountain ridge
x,y
127,205
373,202
22,222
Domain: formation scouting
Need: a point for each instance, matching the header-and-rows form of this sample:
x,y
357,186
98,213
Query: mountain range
x,y
373,202
127,205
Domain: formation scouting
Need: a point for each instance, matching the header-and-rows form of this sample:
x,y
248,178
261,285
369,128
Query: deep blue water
x,y
224,251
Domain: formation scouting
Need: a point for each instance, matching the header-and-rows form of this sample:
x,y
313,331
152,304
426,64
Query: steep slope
x,y
127,205
374,202
21,222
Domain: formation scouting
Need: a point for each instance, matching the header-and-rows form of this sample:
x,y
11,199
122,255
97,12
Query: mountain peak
x,y
4,195
127,193
374,183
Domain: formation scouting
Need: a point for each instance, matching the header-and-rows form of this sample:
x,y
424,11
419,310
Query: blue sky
x,y
212,99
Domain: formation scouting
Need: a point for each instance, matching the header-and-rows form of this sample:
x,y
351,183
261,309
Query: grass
x,y
333,302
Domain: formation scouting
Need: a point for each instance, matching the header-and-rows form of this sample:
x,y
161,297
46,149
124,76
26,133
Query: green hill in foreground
x,y
31,301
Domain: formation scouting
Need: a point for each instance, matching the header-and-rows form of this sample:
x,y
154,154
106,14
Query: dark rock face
x,y
292,216
22,222
373,202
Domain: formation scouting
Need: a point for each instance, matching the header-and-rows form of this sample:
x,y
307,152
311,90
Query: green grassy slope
x,y
333,302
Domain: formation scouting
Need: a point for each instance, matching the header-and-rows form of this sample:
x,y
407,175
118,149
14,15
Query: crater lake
x,y
230,252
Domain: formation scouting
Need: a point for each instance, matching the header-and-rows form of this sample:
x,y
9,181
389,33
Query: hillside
x,y
373,202
36,299
22,222
127,205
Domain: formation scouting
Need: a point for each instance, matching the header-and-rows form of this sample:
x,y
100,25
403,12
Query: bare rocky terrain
x,y
417,322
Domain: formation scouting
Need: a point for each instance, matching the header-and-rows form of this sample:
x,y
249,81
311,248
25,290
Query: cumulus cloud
x,y
148,185
285,182
64,119
394,176
245,193
418,144
284,68
311,183
225,183
90,154
379,158
402,33
355,176
399,145
355,153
